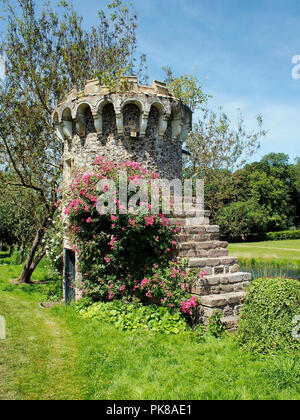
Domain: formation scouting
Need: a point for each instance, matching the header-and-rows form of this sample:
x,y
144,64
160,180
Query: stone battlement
x,y
96,97
138,123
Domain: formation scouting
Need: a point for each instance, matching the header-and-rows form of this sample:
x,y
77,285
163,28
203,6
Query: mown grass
x,y
269,259
56,354
288,250
123,365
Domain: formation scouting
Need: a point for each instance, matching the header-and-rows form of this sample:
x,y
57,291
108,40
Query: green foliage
x,y
245,233
136,317
267,317
187,88
215,326
271,184
165,285
240,219
287,234
52,292
284,372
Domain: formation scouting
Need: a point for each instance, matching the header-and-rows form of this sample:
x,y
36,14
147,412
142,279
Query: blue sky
x,y
241,50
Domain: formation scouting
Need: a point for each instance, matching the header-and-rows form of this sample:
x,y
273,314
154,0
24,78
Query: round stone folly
x,y
143,124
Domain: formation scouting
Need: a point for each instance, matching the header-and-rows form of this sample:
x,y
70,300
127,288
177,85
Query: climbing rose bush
x,y
122,256
166,286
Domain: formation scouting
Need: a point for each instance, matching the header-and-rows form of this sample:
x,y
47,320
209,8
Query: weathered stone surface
x,y
202,245
220,270
211,262
203,253
143,124
216,301
235,268
230,322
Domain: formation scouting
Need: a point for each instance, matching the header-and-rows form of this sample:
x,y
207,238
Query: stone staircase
x,y
223,288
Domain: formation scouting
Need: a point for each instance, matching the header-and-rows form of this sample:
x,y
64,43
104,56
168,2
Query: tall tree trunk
x,y
21,259
32,260
11,249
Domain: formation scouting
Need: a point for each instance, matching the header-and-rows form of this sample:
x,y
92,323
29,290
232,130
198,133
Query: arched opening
x,y
109,125
89,121
84,121
131,120
153,123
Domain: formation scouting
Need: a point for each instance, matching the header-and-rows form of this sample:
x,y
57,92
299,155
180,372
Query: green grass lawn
x,y
287,249
56,354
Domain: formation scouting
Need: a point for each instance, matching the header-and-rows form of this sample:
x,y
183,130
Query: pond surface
x,y
258,272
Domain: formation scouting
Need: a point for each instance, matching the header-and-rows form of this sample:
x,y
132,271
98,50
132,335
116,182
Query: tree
x,y
239,219
48,53
295,197
19,214
187,88
213,149
271,184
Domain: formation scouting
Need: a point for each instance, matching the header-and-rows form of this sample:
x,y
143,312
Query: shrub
x,y
286,234
241,218
266,323
53,291
165,286
264,236
135,317
215,326
114,250
122,255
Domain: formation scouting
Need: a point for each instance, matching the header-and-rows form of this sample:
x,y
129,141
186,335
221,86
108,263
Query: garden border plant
x,y
126,256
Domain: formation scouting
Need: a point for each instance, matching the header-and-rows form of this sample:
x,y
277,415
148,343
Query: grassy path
x,y
39,357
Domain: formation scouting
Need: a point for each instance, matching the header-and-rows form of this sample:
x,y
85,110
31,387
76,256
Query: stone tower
x,y
143,124
147,125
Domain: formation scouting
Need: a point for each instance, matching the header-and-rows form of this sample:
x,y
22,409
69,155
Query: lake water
x,y
258,272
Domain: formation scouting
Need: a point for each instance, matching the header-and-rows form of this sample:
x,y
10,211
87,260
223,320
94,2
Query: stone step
x,y
189,221
230,323
230,278
223,300
220,284
201,237
208,249
206,290
203,253
199,229
212,262
188,214
202,245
